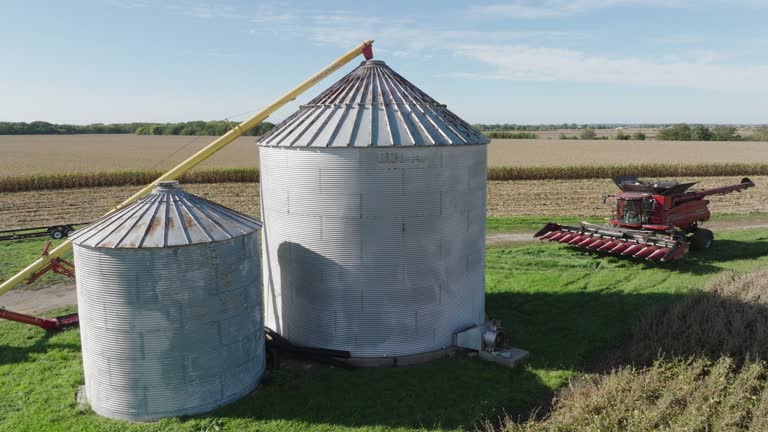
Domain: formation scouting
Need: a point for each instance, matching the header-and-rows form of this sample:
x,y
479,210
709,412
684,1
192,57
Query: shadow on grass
x,y
450,393
41,345
702,261
562,331
566,327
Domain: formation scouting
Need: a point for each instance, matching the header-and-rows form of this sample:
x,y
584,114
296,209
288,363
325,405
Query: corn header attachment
x,y
657,221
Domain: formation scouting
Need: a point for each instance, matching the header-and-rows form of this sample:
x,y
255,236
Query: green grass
x,y
564,305
17,254
530,223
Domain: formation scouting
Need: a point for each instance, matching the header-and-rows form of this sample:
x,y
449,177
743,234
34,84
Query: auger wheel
x,y
702,239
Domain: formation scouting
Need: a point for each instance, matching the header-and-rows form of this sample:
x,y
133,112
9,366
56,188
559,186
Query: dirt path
x,y
60,295
40,300
503,238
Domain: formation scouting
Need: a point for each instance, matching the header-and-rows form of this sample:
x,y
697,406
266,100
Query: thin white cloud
x,y
129,4
506,55
410,37
206,10
529,9
552,64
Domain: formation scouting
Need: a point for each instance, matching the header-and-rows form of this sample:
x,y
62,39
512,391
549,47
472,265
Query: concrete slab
x,y
509,357
81,400
403,360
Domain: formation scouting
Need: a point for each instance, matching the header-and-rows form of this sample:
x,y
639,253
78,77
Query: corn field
x,y
507,173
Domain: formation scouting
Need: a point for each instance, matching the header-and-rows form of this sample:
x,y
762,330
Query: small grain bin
x,y
170,306
374,204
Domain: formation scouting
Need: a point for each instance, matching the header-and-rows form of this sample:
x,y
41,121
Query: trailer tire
x,y
57,234
702,239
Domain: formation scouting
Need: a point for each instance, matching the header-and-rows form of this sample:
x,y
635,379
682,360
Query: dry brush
x,y
698,364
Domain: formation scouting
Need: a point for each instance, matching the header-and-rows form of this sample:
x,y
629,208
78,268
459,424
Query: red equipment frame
x,y
654,228
56,265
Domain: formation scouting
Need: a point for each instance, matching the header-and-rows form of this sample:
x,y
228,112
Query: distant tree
x,y
622,136
701,133
759,134
588,134
173,129
725,133
262,128
678,132
638,136
156,129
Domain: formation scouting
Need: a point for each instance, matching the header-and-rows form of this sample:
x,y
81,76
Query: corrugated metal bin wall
x,y
170,331
379,251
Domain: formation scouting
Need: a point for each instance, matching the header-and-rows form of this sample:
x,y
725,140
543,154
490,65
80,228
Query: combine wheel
x,y
702,239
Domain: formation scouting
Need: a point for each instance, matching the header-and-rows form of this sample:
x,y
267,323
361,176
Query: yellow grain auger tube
x,y
179,170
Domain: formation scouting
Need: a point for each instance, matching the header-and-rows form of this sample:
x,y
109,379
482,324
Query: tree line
x,y
503,127
685,132
214,128
45,128
590,134
185,128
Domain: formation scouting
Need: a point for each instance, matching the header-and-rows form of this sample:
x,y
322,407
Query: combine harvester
x,y
658,221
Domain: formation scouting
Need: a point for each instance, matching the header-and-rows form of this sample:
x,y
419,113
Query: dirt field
x,y
549,198
595,152
45,154
583,197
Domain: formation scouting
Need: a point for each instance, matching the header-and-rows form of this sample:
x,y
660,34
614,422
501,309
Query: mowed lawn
x,y
563,305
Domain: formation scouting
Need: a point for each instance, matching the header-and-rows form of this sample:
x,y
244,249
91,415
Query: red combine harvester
x,y
653,220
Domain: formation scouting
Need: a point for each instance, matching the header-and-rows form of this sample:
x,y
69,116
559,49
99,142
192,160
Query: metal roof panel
x,y
372,106
169,216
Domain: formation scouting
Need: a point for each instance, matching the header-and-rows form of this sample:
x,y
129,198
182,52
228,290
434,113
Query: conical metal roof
x,y
169,216
372,106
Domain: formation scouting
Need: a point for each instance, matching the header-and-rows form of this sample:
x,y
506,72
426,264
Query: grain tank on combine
x,y
657,221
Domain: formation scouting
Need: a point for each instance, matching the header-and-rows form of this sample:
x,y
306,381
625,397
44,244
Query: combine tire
x,y
702,239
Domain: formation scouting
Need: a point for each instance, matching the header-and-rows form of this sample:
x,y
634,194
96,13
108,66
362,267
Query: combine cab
x,y
657,221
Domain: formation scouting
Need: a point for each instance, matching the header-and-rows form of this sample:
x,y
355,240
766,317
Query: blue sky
x,y
550,61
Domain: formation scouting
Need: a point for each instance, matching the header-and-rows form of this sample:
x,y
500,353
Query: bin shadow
x,y
460,392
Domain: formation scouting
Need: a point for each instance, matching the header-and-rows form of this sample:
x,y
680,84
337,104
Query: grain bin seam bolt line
x,y
364,48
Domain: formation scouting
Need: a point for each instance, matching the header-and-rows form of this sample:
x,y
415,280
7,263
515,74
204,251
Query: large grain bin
x,y
170,306
374,204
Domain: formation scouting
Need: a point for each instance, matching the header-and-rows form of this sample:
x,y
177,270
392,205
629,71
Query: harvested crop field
x,y
520,152
505,198
583,197
46,154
